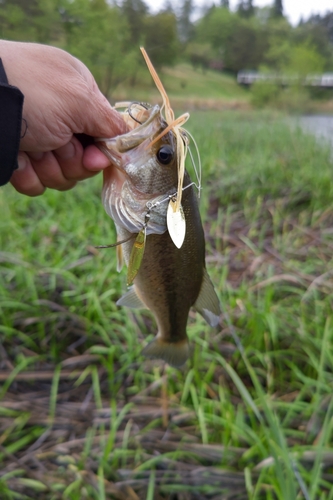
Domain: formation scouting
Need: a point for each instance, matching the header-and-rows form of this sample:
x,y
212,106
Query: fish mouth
x,y
123,150
116,146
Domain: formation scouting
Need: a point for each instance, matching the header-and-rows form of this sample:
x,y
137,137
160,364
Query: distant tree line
x,y
262,38
106,34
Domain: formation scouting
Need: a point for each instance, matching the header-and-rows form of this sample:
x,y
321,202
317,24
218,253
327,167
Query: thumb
x,y
100,119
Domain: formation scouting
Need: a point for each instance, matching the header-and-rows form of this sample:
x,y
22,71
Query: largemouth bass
x,y
137,190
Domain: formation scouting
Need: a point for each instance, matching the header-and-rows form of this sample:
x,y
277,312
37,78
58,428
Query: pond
x,y
319,125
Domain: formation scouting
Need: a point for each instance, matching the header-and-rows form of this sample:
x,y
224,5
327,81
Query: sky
x,y
293,9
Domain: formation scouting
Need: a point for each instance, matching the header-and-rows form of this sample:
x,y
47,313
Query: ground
x,y
83,415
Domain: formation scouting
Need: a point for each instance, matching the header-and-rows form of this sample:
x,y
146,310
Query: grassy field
x,y
84,416
210,89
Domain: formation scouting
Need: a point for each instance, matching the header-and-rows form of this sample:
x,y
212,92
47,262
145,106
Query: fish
x,y
166,270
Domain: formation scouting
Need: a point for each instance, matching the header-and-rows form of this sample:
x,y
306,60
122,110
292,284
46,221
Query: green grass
x,y
184,83
83,415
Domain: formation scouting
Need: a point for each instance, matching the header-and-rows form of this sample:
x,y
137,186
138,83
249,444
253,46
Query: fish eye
x,y
165,155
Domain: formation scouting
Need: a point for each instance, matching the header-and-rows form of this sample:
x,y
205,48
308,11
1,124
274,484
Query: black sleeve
x,y
11,104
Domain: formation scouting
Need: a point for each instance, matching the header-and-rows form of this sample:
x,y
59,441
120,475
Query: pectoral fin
x,y
130,299
208,304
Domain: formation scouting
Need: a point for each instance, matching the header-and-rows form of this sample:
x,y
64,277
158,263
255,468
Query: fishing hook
x,y
145,105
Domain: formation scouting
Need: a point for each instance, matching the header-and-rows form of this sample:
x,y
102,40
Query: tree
x,y
236,42
35,21
317,31
245,8
161,39
99,35
241,8
246,45
200,55
277,10
13,19
167,6
185,26
303,60
277,55
215,28
47,21
249,8
279,43
135,12
225,4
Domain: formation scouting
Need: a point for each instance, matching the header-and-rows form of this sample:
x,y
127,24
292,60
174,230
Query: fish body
x,y
170,280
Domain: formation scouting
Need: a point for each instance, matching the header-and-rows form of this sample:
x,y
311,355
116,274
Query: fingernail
x,y
21,161
66,152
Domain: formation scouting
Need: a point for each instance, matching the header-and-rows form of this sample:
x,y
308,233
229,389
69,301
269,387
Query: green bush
x,y
294,99
264,93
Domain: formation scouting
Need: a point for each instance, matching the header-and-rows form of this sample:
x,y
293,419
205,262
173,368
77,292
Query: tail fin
x,y
174,353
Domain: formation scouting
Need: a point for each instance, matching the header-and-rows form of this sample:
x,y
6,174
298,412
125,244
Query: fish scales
x,y
169,279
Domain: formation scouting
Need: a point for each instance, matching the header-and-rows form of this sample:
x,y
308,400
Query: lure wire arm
x,y
150,206
116,244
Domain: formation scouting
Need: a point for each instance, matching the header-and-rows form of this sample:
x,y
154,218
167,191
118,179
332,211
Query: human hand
x,y
61,98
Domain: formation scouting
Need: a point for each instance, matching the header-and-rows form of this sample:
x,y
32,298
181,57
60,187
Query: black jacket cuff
x,y
11,104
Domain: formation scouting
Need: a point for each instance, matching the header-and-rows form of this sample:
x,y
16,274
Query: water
x,y
319,125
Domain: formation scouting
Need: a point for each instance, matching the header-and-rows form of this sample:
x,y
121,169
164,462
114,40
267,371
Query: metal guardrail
x,y
249,77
